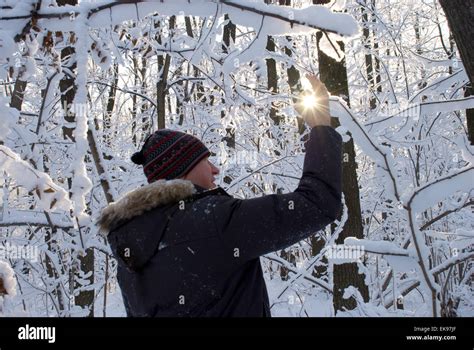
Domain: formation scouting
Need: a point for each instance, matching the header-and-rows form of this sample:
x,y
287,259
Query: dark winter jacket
x,y
186,251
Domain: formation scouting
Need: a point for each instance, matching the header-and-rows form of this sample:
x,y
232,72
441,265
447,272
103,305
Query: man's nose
x,y
215,170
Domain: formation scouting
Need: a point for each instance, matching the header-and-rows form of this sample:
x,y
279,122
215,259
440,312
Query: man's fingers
x,y
313,79
318,86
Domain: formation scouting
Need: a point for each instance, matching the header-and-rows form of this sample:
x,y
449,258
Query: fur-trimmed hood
x,y
140,200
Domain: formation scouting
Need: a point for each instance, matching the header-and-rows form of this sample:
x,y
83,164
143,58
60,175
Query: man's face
x,y
203,174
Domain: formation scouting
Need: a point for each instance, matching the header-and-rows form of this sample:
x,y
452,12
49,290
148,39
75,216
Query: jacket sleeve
x,y
250,228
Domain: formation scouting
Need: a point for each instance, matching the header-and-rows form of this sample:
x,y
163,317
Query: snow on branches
x,y
50,196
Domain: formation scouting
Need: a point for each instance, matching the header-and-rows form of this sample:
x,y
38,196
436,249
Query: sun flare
x,y
309,101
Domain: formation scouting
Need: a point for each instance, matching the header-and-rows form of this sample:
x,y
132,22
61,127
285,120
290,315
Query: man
x,y
185,248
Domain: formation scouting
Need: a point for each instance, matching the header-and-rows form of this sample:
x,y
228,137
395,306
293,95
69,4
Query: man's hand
x,y
313,106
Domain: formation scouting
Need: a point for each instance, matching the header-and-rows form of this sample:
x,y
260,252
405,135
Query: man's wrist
x,y
325,122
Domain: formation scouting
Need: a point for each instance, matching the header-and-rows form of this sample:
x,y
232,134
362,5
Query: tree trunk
x,y
460,16
68,90
162,84
272,79
199,95
470,116
334,75
18,94
108,134
369,66
228,38
294,81
378,77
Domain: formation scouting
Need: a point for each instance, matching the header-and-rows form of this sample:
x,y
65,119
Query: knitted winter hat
x,y
168,154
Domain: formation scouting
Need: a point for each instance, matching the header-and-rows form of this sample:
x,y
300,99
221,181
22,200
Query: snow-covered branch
x,y
304,274
368,144
50,195
377,247
458,258
18,217
438,189
242,12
